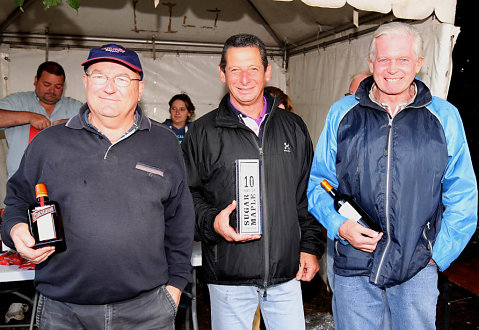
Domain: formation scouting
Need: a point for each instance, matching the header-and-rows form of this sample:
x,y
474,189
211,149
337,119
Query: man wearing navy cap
x,y
128,216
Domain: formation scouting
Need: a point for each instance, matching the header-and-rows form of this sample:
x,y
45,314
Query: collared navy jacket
x,y
127,212
411,173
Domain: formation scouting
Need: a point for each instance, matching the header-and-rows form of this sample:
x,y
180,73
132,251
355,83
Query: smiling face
x,y
245,77
394,66
109,102
179,113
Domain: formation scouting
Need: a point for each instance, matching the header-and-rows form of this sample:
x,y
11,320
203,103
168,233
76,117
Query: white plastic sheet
x,y
167,75
315,79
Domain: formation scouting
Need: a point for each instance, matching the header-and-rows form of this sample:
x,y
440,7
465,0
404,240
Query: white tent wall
x,y
167,75
314,79
196,75
319,78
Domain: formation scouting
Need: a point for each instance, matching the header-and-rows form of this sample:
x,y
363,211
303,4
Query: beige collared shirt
x,y
400,106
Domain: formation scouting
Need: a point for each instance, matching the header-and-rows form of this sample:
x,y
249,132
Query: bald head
x,y
356,80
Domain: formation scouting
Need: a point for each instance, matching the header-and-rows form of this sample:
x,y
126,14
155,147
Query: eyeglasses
x,y
101,79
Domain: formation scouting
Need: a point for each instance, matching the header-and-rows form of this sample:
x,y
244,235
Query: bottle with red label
x,y
45,221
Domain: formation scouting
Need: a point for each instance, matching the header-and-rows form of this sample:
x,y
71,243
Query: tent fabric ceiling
x,y
406,9
208,22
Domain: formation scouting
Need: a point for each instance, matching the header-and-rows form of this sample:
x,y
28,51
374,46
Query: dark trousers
x,y
154,309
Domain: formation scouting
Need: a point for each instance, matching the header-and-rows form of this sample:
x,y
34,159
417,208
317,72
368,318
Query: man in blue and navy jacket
x,y
402,155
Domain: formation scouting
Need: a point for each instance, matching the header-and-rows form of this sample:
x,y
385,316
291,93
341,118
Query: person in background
x,y
356,80
402,154
181,112
244,270
23,114
285,102
128,215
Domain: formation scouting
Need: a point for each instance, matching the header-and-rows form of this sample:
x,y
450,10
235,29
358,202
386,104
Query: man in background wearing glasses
x,y
128,216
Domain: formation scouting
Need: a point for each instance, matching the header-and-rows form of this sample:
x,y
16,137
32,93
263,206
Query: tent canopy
x,y
315,45
200,24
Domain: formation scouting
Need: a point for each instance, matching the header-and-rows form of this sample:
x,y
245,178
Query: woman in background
x,y
285,101
181,111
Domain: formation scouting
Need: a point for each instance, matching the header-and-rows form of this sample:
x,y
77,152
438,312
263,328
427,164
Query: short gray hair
x,y
397,28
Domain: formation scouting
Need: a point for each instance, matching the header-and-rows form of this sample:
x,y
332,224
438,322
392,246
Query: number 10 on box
x,y
248,196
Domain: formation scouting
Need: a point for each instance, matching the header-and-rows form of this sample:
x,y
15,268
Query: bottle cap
x,y
41,190
325,184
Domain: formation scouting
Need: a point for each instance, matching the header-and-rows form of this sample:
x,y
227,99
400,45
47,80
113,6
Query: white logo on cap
x,y
113,50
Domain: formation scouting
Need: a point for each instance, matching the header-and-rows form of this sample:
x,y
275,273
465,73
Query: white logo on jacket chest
x,y
286,147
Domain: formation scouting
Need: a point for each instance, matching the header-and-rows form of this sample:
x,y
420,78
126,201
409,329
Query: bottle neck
x,y
329,188
42,200
333,192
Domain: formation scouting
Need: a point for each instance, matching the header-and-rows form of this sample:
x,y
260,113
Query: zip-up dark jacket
x,y
210,147
412,173
127,211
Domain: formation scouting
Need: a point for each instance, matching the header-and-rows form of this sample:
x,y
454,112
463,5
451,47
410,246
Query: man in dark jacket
x,y
128,215
402,154
241,269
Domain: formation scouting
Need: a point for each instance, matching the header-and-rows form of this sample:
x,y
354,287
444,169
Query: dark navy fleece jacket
x,y
127,212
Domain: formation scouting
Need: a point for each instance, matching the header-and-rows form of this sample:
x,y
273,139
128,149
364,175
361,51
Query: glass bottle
x,y
349,208
45,221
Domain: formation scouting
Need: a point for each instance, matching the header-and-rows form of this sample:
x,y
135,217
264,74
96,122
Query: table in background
x,y
12,273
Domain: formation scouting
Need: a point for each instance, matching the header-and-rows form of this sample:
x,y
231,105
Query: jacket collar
x,y
78,121
226,116
423,96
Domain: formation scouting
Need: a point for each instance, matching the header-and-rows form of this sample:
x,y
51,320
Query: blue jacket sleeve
x,y
459,195
320,203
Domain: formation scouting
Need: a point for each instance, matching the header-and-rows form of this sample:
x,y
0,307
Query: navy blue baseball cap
x,y
115,53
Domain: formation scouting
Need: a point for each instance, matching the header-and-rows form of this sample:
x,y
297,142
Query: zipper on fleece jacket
x,y
264,201
264,204
387,153
265,222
